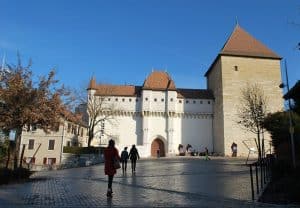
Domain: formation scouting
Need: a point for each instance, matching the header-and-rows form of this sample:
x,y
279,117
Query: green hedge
x,y
83,150
18,175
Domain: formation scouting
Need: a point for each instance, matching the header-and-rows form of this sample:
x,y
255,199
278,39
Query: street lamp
x,y
291,127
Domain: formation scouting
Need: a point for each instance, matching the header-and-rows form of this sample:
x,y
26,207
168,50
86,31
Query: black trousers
x,y
124,165
133,165
110,180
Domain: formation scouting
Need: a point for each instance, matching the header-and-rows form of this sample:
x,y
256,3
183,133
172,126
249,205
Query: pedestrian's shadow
x,y
109,202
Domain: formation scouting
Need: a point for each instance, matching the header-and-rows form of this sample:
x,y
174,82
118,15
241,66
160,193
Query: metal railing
x,y
260,175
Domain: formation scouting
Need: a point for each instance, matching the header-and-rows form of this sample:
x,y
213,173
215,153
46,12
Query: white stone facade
x,y
157,115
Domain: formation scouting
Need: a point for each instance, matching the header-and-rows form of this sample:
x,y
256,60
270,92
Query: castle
x,y
159,116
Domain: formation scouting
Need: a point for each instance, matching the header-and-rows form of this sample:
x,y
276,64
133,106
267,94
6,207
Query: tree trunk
x,y
91,135
17,147
263,144
8,155
22,155
259,147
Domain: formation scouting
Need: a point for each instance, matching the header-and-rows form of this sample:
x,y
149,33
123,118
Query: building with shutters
x,y
43,150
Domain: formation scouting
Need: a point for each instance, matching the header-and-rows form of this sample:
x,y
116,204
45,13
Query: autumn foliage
x,y
25,102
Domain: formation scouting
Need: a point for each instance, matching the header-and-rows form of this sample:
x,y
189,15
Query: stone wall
x,y
236,73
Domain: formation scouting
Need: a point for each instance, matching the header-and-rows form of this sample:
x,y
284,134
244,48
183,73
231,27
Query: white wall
x,y
192,121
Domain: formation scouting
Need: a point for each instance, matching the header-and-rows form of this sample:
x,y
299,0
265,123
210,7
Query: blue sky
x,y
121,41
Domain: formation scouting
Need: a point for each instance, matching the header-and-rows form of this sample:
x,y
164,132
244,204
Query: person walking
x,y
110,155
133,156
124,158
206,154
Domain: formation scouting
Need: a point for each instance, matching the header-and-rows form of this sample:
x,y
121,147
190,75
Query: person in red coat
x,y
110,154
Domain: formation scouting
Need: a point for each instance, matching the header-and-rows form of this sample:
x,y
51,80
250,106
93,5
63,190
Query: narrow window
x,y
130,99
116,99
123,99
236,68
146,99
186,101
31,144
201,102
51,144
194,101
180,101
155,99
162,100
171,99
108,99
69,128
208,102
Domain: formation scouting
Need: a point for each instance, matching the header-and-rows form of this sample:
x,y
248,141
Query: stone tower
x,y
242,60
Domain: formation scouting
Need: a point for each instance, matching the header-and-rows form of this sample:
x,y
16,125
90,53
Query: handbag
x,y
116,163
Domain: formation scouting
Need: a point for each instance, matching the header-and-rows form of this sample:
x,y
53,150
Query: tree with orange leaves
x,y
25,103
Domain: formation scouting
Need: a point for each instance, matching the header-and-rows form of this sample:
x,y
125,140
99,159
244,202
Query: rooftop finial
x,y
236,21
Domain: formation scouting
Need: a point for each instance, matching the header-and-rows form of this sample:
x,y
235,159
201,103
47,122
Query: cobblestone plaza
x,y
164,182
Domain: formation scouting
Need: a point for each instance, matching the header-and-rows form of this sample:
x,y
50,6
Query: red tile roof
x,y
117,90
92,84
242,43
159,80
194,94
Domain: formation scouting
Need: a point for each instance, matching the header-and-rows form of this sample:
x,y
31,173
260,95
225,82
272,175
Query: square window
x,y
208,102
108,99
146,99
31,144
51,144
30,160
116,99
180,101
51,161
201,102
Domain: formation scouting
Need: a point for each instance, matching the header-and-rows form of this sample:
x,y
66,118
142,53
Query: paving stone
x,y
164,182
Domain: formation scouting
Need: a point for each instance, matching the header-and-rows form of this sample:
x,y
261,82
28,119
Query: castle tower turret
x,y
242,60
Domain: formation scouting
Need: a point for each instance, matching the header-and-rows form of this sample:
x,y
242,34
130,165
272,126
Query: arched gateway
x,y
156,145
